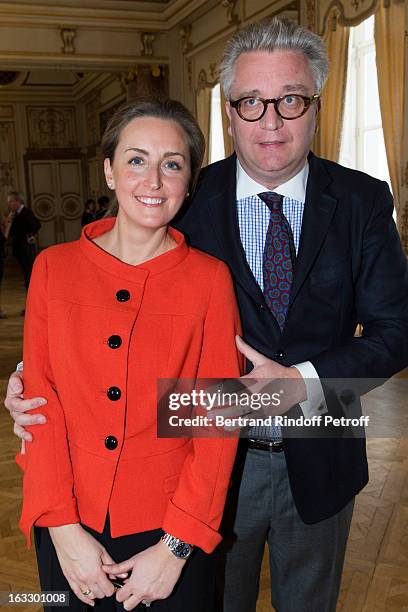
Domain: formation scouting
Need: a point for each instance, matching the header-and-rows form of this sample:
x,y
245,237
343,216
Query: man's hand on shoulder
x,y
18,406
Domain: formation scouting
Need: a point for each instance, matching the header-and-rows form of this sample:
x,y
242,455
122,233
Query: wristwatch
x,y
180,549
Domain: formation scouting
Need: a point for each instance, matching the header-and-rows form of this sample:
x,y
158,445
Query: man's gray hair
x,y
270,35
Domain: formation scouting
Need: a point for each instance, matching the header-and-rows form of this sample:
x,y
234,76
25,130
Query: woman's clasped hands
x,y
147,576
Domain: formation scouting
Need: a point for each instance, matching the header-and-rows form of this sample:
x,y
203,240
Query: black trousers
x,y
25,257
194,592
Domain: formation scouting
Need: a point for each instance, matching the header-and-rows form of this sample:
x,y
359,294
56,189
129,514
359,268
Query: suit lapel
x,y
319,209
223,215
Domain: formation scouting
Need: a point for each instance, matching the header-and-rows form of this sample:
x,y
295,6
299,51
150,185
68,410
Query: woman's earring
x,y
110,185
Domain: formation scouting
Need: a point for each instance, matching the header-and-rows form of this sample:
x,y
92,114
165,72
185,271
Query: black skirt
x,y
194,591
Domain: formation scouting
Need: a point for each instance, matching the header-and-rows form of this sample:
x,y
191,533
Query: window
x,y
362,143
216,145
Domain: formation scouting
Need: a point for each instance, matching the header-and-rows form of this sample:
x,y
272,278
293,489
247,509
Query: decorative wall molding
x,y
147,40
8,178
344,12
68,40
156,17
51,127
190,74
311,14
232,17
203,82
185,33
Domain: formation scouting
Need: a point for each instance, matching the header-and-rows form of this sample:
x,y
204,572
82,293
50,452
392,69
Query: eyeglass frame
x,y
308,101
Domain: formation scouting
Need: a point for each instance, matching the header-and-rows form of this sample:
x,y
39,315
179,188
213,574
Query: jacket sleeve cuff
x,y
189,529
21,460
66,514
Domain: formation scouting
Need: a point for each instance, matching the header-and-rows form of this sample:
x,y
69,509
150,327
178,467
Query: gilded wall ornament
x,y
311,14
229,5
185,33
50,127
190,74
147,39
68,39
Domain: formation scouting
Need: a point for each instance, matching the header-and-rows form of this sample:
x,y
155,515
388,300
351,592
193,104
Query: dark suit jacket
x,y
24,224
350,268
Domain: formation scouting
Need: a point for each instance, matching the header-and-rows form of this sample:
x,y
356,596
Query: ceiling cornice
x,y
117,17
84,61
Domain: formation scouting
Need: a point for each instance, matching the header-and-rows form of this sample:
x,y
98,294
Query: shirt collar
x,y
294,188
19,209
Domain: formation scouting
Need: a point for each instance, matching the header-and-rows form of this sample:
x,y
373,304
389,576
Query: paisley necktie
x,y
278,258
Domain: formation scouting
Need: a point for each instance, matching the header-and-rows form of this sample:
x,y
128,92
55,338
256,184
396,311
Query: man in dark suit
x,y
348,268
337,261
24,228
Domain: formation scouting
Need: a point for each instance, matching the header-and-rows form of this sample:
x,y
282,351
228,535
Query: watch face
x,y
182,550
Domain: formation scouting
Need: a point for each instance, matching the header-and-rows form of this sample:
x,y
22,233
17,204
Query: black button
x,y
122,295
261,307
280,355
111,442
114,393
114,341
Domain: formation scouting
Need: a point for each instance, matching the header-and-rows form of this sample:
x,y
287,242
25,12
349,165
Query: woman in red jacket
x,y
107,316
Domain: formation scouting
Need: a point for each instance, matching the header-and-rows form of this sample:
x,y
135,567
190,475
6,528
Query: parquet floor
x,y
376,571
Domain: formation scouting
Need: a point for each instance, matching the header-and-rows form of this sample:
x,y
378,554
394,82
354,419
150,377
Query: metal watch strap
x,y
180,549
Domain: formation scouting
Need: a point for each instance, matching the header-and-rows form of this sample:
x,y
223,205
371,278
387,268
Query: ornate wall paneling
x,y
50,127
56,195
9,178
325,13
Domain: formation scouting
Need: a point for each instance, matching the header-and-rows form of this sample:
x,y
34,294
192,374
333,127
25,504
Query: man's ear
x,y
228,111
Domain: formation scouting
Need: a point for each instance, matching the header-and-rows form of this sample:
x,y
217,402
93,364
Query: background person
x,y
5,225
103,206
114,312
24,228
89,213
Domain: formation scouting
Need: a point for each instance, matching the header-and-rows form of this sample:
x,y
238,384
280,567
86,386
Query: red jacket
x,y
174,316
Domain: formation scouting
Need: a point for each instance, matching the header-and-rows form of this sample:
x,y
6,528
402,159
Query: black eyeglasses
x,y
291,106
